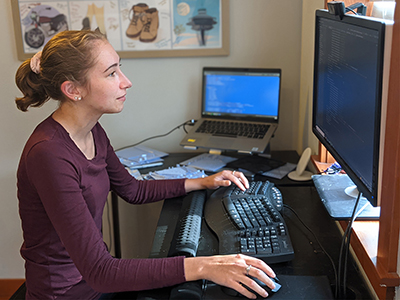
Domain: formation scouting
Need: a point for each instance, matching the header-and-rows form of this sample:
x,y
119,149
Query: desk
x,y
175,158
309,258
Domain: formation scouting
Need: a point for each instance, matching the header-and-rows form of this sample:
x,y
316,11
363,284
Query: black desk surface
x,y
310,259
286,156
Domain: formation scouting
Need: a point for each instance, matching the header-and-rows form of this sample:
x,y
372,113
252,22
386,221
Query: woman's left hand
x,y
224,178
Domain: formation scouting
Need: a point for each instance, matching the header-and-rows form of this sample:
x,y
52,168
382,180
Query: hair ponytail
x,y
29,84
67,56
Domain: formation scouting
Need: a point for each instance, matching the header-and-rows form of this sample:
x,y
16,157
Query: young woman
x,y
67,169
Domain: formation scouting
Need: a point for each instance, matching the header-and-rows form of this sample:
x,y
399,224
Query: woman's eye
x,y
112,73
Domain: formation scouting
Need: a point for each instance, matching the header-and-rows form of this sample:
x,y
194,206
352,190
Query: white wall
x,y
262,34
15,128
306,137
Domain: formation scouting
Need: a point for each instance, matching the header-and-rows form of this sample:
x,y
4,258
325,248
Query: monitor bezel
x,y
375,24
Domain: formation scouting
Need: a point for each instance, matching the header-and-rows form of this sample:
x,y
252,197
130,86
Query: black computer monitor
x,y
350,71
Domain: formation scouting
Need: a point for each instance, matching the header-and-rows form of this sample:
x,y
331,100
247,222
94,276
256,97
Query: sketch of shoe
x,y
136,24
150,26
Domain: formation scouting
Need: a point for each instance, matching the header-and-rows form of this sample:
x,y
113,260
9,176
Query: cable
x,y
348,246
318,242
161,135
347,237
352,10
345,246
361,9
339,293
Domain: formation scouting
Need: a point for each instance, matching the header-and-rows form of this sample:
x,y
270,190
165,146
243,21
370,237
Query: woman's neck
x,y
79,126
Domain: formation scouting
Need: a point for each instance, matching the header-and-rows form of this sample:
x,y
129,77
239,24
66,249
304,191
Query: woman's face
x,y
107,85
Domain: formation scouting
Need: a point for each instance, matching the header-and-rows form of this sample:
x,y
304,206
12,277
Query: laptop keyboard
x,y
233,129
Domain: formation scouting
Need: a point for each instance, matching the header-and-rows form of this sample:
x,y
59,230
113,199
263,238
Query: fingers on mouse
x,y
266,287
234,293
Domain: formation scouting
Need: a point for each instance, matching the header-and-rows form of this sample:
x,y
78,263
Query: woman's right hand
x,y
232,271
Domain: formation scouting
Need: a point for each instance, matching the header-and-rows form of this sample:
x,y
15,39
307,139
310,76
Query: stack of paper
x,y
140,157
208,162
175,173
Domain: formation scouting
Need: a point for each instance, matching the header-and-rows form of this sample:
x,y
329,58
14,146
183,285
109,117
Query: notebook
x,y
233,97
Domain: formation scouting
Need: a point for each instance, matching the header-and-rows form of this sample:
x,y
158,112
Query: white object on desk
x,y
280,172
135,173
140,157
175,173
208,162
300,174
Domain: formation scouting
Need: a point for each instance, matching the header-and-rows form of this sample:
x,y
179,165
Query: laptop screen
x,y
251,94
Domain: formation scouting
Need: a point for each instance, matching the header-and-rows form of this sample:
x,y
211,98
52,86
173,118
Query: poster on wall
x,y
148,28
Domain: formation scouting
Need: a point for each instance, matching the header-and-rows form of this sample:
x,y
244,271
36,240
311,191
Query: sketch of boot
x,y
136,24
150,26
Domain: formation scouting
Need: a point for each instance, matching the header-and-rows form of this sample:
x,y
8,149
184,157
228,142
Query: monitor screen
x,y
347,98
234,92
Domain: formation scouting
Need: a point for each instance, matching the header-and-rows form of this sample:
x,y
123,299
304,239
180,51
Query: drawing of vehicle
x,y
44,21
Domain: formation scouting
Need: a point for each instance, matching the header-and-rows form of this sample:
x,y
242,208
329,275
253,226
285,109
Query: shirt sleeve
x,y
140,191
56,181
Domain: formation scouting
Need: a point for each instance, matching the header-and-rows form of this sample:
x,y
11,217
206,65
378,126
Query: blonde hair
x,y
68,56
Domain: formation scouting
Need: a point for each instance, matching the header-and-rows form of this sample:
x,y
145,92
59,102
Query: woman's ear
x,y
70,90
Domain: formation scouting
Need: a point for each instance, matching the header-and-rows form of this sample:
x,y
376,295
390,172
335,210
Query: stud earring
x,y
78,98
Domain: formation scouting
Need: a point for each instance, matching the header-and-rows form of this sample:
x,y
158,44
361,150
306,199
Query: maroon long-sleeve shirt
x,y
61,200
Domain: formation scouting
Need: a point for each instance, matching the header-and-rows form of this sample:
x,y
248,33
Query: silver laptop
x,y
240,110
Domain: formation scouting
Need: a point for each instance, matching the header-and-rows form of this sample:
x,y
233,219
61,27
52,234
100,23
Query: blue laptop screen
x,y
241,95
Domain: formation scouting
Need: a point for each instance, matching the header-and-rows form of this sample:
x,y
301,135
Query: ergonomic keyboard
x,y
249,222
233,129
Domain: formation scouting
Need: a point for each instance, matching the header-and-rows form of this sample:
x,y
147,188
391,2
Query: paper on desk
x,y
140,156
175,173
135,173
280,172
208,162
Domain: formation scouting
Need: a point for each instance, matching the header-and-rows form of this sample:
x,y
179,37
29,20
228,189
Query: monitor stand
x,y
352,191
332,191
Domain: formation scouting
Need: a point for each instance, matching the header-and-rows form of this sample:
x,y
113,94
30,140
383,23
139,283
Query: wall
x,y
263,34
306,137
